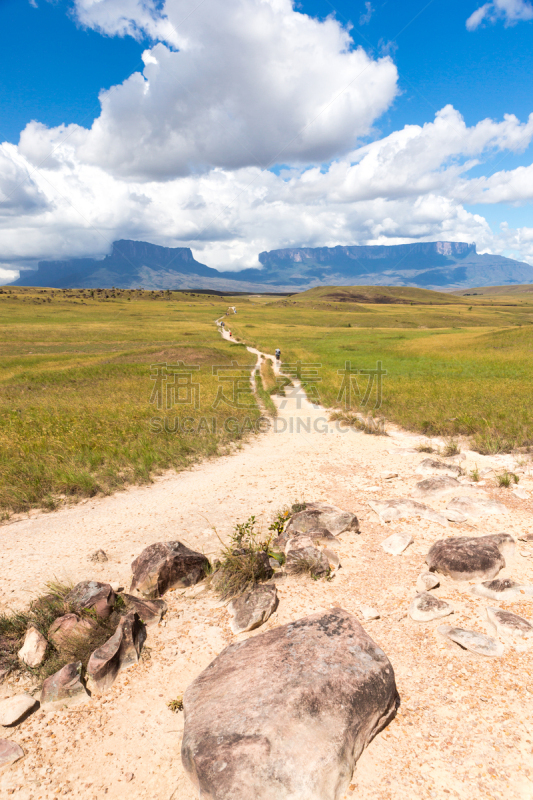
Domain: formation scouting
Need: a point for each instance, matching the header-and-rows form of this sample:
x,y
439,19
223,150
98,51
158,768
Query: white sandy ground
x,y
464,729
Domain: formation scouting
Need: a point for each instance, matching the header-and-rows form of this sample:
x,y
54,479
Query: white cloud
x,y
510,11
365,18
254,82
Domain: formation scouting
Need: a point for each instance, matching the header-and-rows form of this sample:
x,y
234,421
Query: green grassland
x,y
461,366
76,384
76,381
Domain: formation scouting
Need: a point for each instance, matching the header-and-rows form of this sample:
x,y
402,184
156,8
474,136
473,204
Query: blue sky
x,y
56,57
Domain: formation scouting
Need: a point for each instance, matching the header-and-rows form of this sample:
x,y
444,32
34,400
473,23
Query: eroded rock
x,y
69,626
99,556
286,714
166,565
397,543
33,650
9,752
475,507
15,709
253,608
436,486
302,556
427,581
318,516
120,651
431,466
499,589
426,607
93,596
64,688
465,558
472,640
150,611
511,628
403,508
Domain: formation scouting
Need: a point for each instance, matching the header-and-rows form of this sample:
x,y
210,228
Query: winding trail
x,y
446,735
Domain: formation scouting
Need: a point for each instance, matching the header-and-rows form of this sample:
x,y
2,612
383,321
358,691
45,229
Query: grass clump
x,y
425,448
451,448
303,563
367,424
175,705
245,561
42,612
474,474
506,479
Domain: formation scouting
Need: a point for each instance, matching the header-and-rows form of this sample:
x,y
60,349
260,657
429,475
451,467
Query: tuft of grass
x,y
451,448
42,612
175,705
367,424
305,564
425,448
506,478
244,562
474,474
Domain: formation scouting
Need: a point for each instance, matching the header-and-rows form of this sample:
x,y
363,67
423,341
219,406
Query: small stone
x,y
510,627
455,516
94,596
368,612
9,752
64,688
253,608
67,627
150,611
397,543
15,709
475,507
499,589
472,640
98,556
426,607
436,486
33,650
427,581
388,476
129,776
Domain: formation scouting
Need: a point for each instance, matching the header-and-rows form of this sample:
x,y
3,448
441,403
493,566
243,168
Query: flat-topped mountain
x,y
428,265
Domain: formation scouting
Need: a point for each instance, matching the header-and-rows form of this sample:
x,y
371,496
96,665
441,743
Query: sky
x,y
248,125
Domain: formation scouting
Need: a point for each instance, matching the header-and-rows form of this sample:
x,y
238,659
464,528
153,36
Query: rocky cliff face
x,y
429,265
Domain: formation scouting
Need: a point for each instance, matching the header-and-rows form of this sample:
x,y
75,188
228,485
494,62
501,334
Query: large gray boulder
x,y
464,558
166,565
93,596
120,651
286,714
64,688
253,608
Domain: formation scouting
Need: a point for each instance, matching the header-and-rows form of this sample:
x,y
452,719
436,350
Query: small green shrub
x,y
425,448
474,475
451,448
244,561
506,478
175,705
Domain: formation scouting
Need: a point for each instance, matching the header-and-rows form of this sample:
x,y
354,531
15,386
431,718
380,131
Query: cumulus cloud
x,y
411,185
510,11
253,82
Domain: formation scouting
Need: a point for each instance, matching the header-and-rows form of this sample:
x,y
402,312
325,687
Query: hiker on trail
x,y
278,354
229,333
222,324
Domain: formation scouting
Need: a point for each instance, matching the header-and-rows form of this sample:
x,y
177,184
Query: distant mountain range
x,y
428,265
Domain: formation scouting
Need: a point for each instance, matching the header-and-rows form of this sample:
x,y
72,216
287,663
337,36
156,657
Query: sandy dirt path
x,y
464,727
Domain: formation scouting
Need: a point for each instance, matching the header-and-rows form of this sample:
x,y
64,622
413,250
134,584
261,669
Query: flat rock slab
x,y
253,608
427,581
33,650
319,521
15,709
436,486
64,688
9,752
475,507
166,565
431,466
503,589
403,508
511,628
397,543
93,596
467,558
478,643
286,714
426,607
